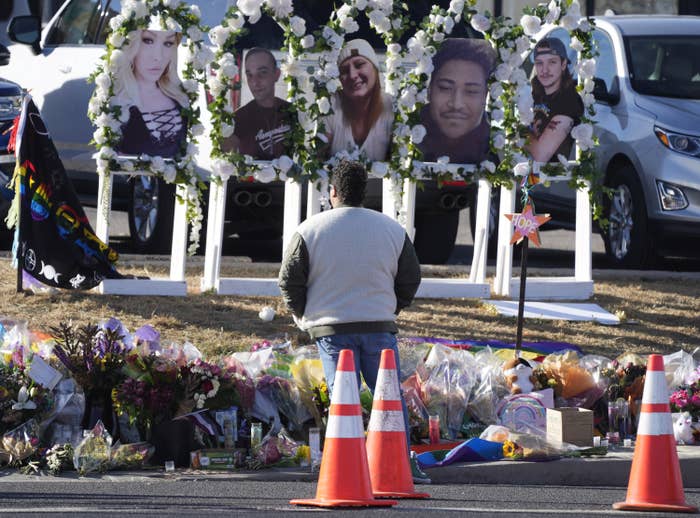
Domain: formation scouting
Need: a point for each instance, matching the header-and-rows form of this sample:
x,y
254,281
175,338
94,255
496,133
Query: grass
x,y
659,315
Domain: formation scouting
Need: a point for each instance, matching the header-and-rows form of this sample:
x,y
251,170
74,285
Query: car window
x,y
667,66
605,62
78,23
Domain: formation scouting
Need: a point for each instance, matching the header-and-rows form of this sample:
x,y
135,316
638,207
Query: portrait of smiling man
x,y
454,118
557,105
261,126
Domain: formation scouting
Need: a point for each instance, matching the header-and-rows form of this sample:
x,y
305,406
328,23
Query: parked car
x,y
67,50
648,124
10,103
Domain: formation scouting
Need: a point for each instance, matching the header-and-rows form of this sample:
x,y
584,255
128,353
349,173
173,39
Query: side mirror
x,y
4,55
27,30
601,92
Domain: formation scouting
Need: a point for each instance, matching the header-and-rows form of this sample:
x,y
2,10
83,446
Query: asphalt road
x,y
114,495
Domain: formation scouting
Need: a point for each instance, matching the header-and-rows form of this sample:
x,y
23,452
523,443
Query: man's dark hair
x,y
465,49
350,181
261,50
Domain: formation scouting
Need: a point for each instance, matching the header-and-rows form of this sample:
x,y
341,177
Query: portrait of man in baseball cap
x,y
557,105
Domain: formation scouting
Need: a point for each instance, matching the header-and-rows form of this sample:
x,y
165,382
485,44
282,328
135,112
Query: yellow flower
x,y
509,448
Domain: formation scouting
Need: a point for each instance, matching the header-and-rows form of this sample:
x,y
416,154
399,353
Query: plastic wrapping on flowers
x,y
94,451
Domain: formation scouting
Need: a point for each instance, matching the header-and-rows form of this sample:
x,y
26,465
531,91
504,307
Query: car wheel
x,y
492,241
151,209
435,237
627,243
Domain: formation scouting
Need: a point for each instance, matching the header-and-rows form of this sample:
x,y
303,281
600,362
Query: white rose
x,y
499,141
116,39
361,4
190,85
298,26
219,34
480,23
99,136
496,90
349,25
194,9
497,115
424,66
502,72
569,22
280,8
141,10
307,41
333,85
576,44
457,6
408,99
587,67
379,21
449,24
588,99
194,33
554,12
584,25
438,36
531,24
343,12
236,22
518,76
170,3
379,169
250,8
226,130
116,22
522,169
393,48
169,173
418,133
103,81
197,130
422,96
392,87
488,165
215,86
324,105
574,9
266,174
284,164
583,134
126,165
588,85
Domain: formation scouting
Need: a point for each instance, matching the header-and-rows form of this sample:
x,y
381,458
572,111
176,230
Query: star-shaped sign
x,y
525,225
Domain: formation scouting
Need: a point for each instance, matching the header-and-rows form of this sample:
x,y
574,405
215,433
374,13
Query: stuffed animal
x,y
518,373
683,429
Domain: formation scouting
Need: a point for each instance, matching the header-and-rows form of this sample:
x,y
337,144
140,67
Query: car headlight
x,y
671,196
686,144
10,106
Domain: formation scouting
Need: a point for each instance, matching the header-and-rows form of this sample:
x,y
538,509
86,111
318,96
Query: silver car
x,y
648,123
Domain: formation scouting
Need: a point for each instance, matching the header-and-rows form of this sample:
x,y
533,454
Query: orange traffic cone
x,y
655,482
344,477
387,451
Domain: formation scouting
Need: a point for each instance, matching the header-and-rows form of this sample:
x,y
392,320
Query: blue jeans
x,y
367,351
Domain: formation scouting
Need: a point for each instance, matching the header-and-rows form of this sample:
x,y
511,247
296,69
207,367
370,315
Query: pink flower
x,y
695,400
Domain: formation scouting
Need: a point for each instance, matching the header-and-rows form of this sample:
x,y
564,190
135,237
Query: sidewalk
x,y
612,470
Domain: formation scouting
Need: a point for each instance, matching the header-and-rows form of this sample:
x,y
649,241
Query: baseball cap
x,y
550,46
358,47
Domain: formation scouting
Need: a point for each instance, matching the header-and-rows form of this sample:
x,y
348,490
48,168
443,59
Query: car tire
x,y
492,242
627,241
151,211
436,233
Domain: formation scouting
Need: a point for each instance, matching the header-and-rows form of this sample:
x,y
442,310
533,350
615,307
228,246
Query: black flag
x,y
57,245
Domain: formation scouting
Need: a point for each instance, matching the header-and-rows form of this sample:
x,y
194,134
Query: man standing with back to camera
x,y
345,276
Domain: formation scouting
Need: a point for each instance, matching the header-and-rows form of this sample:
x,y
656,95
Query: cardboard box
x,y
570,424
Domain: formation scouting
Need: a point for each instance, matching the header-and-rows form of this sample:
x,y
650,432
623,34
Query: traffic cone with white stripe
x,y
387,451
655,482
343,480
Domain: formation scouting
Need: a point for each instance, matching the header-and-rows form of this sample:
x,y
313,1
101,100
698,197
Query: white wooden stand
x,y
176,284
578,287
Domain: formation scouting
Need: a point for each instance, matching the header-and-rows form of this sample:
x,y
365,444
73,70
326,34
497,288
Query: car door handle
x,y
65,69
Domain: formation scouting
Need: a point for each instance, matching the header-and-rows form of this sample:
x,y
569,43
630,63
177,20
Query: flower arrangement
x,y
687,399
108,115
20,398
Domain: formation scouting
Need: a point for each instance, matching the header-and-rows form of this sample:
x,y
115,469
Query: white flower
x,y
418,133
457,6
488,165
569,22
438,36
531,24
223,168
250,8
361,4
588,99
343,12
280,8
266,314
587,67
425,65
307,41
219,34
584,25
379,169
194,33
203,57
169,173
333,85
324,105
408,98
194,9
449,24
266,174
290,68
227,65
99,136
126,165
497,115
116,39
583,133
349,25
422,96
392,87
116,22
190,85
197,130
298,26
170,3
499,140
518,76
588,84
574,9
576,44
215,85
284,164
496,90
236,21
158,163
103,81
522,168
480,23
554,12
522,44
502,72
226,130
379,21
394,49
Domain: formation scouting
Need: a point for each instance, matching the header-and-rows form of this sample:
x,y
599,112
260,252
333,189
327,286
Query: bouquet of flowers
x,y
20,398
687,399
206,385
284,393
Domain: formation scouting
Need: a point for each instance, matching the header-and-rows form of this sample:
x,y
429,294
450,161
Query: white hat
x,y
358,47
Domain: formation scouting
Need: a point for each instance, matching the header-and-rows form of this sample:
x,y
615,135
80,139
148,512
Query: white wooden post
x,y
483,207
292,211
583,268
504,252
104,206
215,235
408,208
389,199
